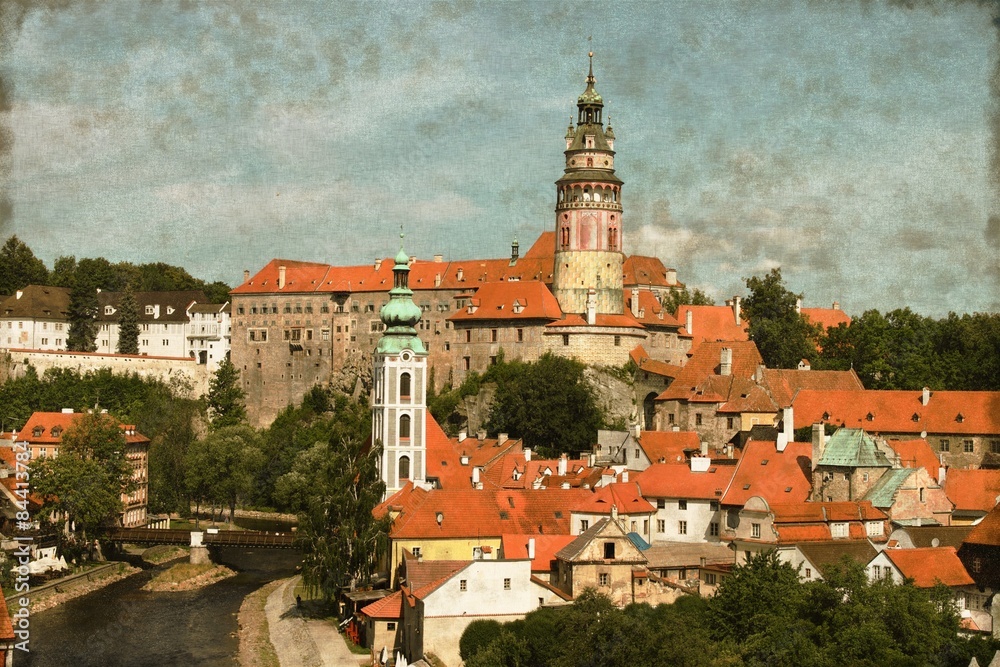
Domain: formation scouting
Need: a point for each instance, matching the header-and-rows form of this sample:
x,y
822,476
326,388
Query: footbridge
x,y
209,537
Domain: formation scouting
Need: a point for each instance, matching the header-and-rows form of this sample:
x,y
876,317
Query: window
x,y
493,335
520,335
714,506
609,550
839,529
809,573
149,310
697,419
710,578
165,342
682,504
636,453
618,341
995,446
324,334
468,335
755,530
670,418
730,421
661,503
713,529
874,528
565,339
390,626
603,579
108,310
404,427
415,551
661,526
404,467
467,362
682,527
977,565
877,571
584,525
404,387
463,585
506,584
969,446
945,445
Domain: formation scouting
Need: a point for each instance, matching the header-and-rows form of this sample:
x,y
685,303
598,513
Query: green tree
x,y
19,267
674,299
225,397
90,474
342,541
783,336
82,335
63,270
223,466
128,324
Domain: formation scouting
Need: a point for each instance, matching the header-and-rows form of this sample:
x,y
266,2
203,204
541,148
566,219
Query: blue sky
x,y
848,143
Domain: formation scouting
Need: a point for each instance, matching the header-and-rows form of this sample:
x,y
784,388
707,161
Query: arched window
x,y
404,387
404,427
564,237
404,467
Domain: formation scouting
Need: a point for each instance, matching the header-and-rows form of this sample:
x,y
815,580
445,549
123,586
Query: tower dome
x,y
400,315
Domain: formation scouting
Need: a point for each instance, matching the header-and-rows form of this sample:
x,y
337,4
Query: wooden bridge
x,y
221,538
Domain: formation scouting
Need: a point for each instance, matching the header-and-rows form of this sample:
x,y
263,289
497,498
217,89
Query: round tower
x,y
588,257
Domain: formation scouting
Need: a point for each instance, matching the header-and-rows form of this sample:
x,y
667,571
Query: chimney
x,y
378,263
704,447
437,280
501,438
527,453
438,258
562,466
925,397
281,277
836,305
20,293
591,306
726,361
481,435
67,411
736,310
788,419
636,430
818,443
614,512
413,258
671,276
798,305
531,548
462,435
635,302
690,322
475,478
246,275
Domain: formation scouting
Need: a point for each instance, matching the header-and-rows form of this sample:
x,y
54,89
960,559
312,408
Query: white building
x,y
686,497
35,318
208,333
163,320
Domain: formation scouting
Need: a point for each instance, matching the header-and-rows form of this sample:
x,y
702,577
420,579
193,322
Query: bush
x,y
476,636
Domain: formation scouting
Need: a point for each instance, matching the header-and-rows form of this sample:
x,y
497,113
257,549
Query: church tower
x,y
588,257
399,393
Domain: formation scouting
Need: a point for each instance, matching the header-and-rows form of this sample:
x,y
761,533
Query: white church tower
x,y
399,393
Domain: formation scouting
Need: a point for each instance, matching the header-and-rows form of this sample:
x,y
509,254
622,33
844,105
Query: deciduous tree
x,y
19,267
783,336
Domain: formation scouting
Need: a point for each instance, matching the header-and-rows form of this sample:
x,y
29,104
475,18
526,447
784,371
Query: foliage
x,y
762,615
476,635
128,324
154,277
225,397
19,267
783,336
684,297
87,478
223,466
82,335
547,403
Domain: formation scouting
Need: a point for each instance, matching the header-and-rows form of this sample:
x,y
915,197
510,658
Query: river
x,y
123,625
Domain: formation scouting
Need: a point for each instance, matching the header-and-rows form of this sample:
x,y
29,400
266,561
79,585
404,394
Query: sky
x,y
852,144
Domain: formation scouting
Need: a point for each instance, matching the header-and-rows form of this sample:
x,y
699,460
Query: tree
x,y
19,267
783,336
82,336
90,474
128,324
225,397
342,541
223,466
674,299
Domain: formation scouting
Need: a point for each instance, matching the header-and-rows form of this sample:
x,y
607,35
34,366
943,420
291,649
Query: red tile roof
x,y
641,270
783,384
60,421
705,363
519,300
826,317
624,321
809,512
389,607
916,454
712,323
669,446
671,480
543,247
649,312
947,412
546,546
785,477
930,565
987,531
972,490
6,628
624,496
641,358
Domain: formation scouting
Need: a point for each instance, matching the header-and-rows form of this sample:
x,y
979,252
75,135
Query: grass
x,y
161,553
183,572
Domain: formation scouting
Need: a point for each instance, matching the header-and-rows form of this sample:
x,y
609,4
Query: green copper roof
x,y
853,448
885,488
400,315
590,96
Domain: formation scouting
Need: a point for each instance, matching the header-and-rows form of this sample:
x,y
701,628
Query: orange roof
x,y
807,512
546,546
917,454
649,311
624,496
641,358
987,531
519,300
929,565
642,270
6,628
826,317
783,384
712,323
543,247
513,471
777,477
672,480
972,489
947,412
668,446
624,321
704,363
389,607
52,425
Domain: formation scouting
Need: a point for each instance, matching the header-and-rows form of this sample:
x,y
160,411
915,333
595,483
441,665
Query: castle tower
x,y
588,258
399,393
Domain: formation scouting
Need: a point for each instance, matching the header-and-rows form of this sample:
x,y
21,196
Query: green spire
x,y
590,96
400,315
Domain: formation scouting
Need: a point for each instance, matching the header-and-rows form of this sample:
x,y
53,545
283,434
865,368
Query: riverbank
x,y
68,588
256,649
188,577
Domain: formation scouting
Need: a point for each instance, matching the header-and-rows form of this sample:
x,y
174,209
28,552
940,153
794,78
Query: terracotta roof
x,y
623,321
549,587
712,323
972,490
649,312
826,317
642,270
519,300
641,358
947,412
783,384
704,363
513,471
53,425
625,496
6,628
389,607
37,302
916,454
669,446
544,246
821,512
546,546
777,477
930,565
152,306
422,573
671,480
987,531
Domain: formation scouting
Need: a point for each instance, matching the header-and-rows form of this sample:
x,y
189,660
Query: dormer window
x,y
38,431
170,310
56,431
108,310
870,417
460,274
826,416
915,417
149,310
960,418
518,306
